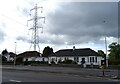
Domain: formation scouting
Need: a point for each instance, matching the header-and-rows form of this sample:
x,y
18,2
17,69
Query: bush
x,y
43,62
74,62
60,61
68,61
19,60
4,59
52,62
27,62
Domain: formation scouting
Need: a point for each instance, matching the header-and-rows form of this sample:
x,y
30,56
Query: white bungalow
x,y
85,56
32,56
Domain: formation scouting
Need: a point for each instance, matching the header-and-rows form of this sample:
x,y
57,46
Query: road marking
x,y
14,81
113,79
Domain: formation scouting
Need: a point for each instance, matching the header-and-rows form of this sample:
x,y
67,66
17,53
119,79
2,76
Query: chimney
x,y
73,48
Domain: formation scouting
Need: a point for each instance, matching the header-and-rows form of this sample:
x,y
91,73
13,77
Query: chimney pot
x,y
73,48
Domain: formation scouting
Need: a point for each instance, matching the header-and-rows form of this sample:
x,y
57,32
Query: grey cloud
x,y
2,35
23,38
52,39
83,22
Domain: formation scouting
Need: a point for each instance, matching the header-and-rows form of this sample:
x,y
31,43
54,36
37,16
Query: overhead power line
x,y
7,17
13,20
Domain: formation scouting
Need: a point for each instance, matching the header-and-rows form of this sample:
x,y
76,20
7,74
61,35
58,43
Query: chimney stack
x,y
73,48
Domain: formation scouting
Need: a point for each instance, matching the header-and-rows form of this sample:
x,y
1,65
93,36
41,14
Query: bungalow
x,y
32,56
29,55
85,56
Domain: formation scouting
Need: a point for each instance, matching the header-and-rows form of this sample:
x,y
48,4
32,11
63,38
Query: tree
x,y
114,51
114,54
47,51
4,52
4,59
19,60
101,53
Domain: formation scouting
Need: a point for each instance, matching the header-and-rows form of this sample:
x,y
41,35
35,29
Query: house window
x,y
76,59
43,59
56,59
60,59
95,59
66,58
90,59
53,59
83,60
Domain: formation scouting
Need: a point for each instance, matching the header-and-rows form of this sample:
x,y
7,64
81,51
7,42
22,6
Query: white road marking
x,y
14,81
113,79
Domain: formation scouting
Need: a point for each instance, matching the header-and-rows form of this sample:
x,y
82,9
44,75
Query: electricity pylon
x,y
35,33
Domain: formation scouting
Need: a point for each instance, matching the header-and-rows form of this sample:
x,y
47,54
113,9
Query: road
x,y
66,70
30,76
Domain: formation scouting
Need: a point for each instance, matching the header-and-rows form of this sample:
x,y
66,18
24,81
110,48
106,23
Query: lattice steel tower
x,y
35,32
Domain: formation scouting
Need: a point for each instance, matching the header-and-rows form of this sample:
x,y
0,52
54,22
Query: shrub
x,y
19,60
4,59
74,62
27,62
52,62
68,61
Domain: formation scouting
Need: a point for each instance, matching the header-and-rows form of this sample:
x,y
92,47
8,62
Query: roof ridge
x,y
75,49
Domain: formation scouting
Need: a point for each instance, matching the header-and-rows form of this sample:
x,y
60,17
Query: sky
x,y
67,24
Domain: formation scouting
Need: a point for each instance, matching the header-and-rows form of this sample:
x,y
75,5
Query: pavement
x,y
86,72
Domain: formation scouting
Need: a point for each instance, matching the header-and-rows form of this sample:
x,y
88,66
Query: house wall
x,y
29,58
88,59
53,59
7,56
35,59
11,59
42,59
95,60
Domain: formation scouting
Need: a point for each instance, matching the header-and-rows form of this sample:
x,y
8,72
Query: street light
x,y
106,47
15,53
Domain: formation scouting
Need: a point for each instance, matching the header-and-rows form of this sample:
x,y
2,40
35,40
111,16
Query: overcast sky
x,y
83,24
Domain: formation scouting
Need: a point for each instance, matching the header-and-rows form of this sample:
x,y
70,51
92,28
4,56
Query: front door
x,y
83,61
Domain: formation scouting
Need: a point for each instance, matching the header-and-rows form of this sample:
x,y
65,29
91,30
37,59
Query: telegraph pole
x,y
35,33
15,53
106,47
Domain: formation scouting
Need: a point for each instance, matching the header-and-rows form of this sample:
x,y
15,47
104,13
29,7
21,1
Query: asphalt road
x,y
30,76
66,70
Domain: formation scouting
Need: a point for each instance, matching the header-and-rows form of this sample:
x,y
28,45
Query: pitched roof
x,y
29,54
76,52
12,54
